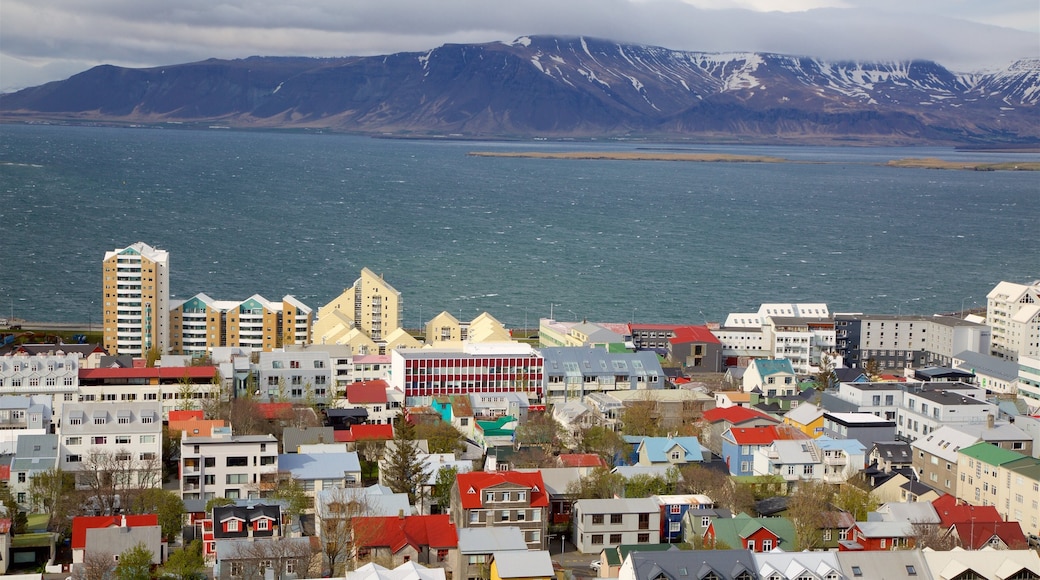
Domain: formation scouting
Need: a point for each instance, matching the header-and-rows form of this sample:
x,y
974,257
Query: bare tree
x,y
337,512
929,535
112,478
282,556
806,508
95,566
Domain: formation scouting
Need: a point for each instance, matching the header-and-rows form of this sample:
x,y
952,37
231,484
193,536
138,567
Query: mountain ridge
x,y
555,87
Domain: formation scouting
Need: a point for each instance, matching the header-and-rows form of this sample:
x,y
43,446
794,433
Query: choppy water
x,y
274,214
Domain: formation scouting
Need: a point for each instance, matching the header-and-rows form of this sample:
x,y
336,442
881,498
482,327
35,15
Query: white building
x,y
136,300
295,376
1013,312
798,332
926,410
122,438
52,375
229,466
1029,382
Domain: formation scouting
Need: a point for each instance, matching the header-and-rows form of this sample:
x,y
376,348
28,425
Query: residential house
x,y
701,565
606,523
296,376
752,534
192,423
611,560
112,535
992,373
673,513
725,399
406,571
739,445
880,535
25,413
669,451
996,535
772,378
575,417
863,427
718,420
823,459
899,487
696,523
490,405
926,410
35,454
935,457
429,540
606,336
250,520
989,475
502,498
779,564
807,418
889,456
241,558
173,386
674,410
899,565
129,433
1003,564
476,547
381,402
696,350
558,480
320,467
334,508
534,565
574,372
228,466
433,464
294,437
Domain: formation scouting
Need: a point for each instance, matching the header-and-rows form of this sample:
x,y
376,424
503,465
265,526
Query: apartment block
x,y
173,387
1013,312
200,324
897,342
925,410
502,499
295,376
371,305
475,368
607,523
136,300
989,475
54,376
228,466
121,438
573,372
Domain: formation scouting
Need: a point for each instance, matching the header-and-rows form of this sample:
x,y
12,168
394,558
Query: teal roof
x,y
497,427
658,449
768,367
991,454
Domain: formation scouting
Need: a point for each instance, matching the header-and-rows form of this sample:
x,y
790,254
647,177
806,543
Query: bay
x,y
270,213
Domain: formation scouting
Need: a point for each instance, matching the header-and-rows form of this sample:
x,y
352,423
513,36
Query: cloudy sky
x,y
47,40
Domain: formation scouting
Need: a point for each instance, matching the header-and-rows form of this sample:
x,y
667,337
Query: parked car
x,y
595,564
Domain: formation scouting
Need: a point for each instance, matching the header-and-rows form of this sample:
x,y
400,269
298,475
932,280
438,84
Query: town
x,y
270,439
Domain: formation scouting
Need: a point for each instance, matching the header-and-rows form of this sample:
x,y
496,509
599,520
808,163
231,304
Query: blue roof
x,y
847,445
659,448
319,465
768,367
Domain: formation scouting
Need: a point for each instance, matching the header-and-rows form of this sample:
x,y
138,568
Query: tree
x,y
114,478
291,491
717,485
171,452
855,501
606,443
54,492
929,535
805,508
640,417
167,505
600,483
96,566
532,458
872,368
440,436
402,468
441,495
824,377
337,515
185,564
217,501
186,393
541,429
645,485
135,564
285,556
19,520
151,356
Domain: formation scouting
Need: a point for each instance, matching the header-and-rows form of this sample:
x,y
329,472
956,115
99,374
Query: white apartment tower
x,y
1013,312
136,300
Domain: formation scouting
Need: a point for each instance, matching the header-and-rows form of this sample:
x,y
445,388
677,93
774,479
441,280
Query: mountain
x,y
543,86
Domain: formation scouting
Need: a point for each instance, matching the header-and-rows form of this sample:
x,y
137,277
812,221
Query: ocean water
x,y
272,213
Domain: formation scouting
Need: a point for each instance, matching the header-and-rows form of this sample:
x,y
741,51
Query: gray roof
x,y
618,505
898,451
293,437
895,565
693,564
556,479
493,539
630,471
977,363
515,564
319,465
376,502
916,512
597,361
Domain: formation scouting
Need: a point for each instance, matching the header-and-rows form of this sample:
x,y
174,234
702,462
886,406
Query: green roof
x,y
731,530
615,556
991,454
497,427
1027,467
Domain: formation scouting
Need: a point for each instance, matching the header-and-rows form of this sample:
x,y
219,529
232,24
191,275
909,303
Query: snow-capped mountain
x,y
573,86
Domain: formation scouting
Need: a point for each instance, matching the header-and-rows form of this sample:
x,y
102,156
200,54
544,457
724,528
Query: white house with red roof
x,y
382,402
483,499
720,419
144,528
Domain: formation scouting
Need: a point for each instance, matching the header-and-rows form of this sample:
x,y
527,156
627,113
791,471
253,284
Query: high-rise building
x,y
136,300
370,305
1013,311
201,323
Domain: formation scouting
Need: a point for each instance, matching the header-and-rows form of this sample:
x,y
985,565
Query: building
x,y
118,439
476,368
51,375
740,444
321,467
428,540
901,341
863,427
1013,311
807,418
721,419
295,376
823,459
607,523
102,534
136,300
989,475
673,514
200,324
751,534
477,545
772,378
406,571
371,305
899,565
1004,564
925,410
735,564
35,454
574,372
994,374
669,451
696,350
534,565
172,387
1029,382
228,466
502,498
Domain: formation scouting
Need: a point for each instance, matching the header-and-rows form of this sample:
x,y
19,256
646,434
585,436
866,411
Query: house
x,y
1003,564
406,571
674,410
739,445
294,437
606,523
889,456
575,417
586,462
192,423
127,432
772,378
673,513
502,498
228,466
696,522
719,419
950,511
319,469
561,502
35,454
681,565
251,558
532,565
934,457
334,509
900,487
429,540
574,372
669,451
477,546
997,535
797,565
898,565
752,534
433,464
695,349
252,520
611,559
807,418
1011,480
725,399
880,535
381,402
147,526
823,459
863,427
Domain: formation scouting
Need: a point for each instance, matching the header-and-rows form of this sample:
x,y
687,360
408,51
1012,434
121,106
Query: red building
x,y
479,368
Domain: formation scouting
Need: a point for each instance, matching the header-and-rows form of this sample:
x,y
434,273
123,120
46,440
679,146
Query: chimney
x,y
122,521
990,420
400,514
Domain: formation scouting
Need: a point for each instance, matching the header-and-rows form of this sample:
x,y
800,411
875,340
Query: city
x,y
271,438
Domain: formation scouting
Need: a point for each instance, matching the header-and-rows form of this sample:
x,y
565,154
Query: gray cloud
x,y
53,40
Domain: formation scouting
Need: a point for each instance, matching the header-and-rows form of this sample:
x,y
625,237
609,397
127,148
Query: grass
x,y
38,522
932,163
39,540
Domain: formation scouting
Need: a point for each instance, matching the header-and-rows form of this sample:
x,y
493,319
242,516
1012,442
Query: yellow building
x,y
201,323
370,304
444,330
807,418
136,294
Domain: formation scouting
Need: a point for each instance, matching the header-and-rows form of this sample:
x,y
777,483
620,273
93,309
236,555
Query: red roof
x,y
950,511
176,415
396,532
755,435
367,392
734,415
473,483
81,524
976,535
581,460
171,373
271,411
685,334
364,433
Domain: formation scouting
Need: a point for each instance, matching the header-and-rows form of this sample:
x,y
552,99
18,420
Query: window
x,y
123,440
615,538
231,526
826,535
21,477
857,571
147,418
674,527
236,569
73,458
262,525
99,420
643,539
442,555
674,509
597,518
705,521
98,440
910,570
616,518
751,545
884,542
237,461
597,539
73,440
767,545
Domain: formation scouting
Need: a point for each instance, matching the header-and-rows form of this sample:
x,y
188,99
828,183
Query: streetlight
x,y
551,310
573,315
633,318
962,307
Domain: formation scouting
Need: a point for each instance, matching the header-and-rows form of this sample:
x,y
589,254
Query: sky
x,y
42,41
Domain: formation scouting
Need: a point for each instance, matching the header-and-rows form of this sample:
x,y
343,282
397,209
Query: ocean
x,y
270,213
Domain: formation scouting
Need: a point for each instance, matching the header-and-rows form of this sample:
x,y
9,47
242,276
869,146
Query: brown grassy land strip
x,y
633,156
931,163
